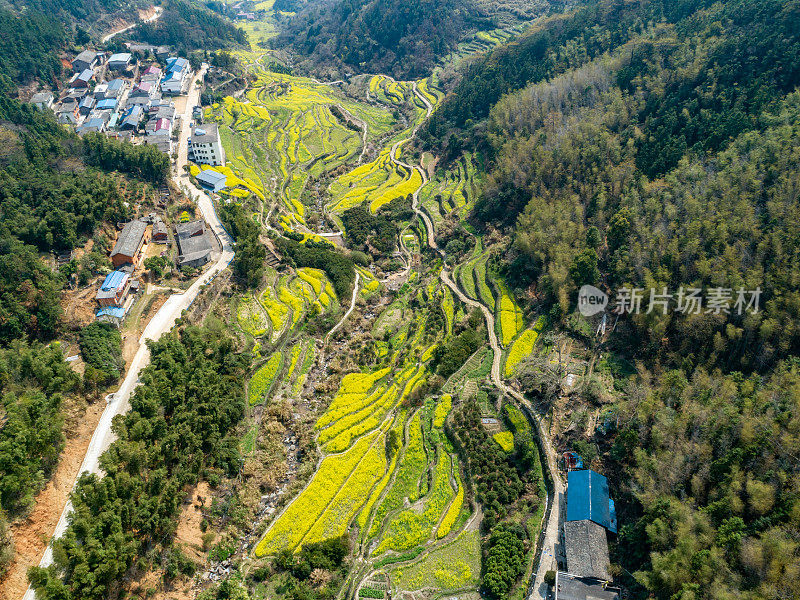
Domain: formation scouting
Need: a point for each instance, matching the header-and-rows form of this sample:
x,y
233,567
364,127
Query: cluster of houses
x,y
118,290
120,97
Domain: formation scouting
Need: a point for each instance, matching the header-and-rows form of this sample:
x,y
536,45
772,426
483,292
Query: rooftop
x,y
205,134
210,177
42,97
570,587
114,280
175,63
120,57
193,243
588,498
86,75
86,56
129,238
587,549
116,312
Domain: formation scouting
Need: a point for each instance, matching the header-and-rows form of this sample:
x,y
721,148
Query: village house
x,y
211,180
88,59
194,246
82,79
42,100
176,75
129,244
122,61
205,146
114,289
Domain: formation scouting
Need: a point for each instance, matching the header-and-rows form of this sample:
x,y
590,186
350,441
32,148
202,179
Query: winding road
x,y
349,310
153,17
162,322
555,502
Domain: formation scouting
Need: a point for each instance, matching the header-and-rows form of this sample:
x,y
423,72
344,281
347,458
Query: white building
x,y
205,146
42,100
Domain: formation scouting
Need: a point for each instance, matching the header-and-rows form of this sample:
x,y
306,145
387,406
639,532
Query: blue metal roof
x,y
107,103
175,63
113,280
115,84
588,498
120,57
111,311
210,177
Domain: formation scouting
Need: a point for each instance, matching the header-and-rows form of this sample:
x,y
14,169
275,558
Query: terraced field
x,y
301,152
453,190
285,129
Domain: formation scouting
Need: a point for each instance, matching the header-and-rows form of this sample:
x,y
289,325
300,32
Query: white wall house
x,y
205,146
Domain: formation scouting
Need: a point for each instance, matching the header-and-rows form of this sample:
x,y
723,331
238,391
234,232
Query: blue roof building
x,y
113,290
175,63
588,499
111,314
212,180
107,104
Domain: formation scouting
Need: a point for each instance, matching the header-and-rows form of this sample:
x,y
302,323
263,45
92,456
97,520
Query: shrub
x,y
101,349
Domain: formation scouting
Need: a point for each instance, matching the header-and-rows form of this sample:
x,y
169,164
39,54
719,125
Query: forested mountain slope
x,y
54,196
654,145
402,38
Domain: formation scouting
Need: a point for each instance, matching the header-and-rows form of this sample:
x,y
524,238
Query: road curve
x,y
554,507
152,17
162,322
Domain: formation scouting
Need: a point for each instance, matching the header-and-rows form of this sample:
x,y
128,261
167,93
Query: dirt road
x,y
162,321
556,500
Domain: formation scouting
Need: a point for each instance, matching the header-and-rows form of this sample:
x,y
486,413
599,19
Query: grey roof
x,y
165,112
129,238
159,228
210,177
193,242
570,587
86,75
120,57
87,56
587,549
42,97
205,134
161,142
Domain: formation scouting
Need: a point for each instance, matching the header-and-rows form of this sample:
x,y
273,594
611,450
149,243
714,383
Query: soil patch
x,y
31,535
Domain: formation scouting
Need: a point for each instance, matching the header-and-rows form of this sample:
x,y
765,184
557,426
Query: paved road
x,y
152,17
162,321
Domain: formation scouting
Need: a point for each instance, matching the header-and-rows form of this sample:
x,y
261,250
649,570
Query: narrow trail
x,y
349,310
556,497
